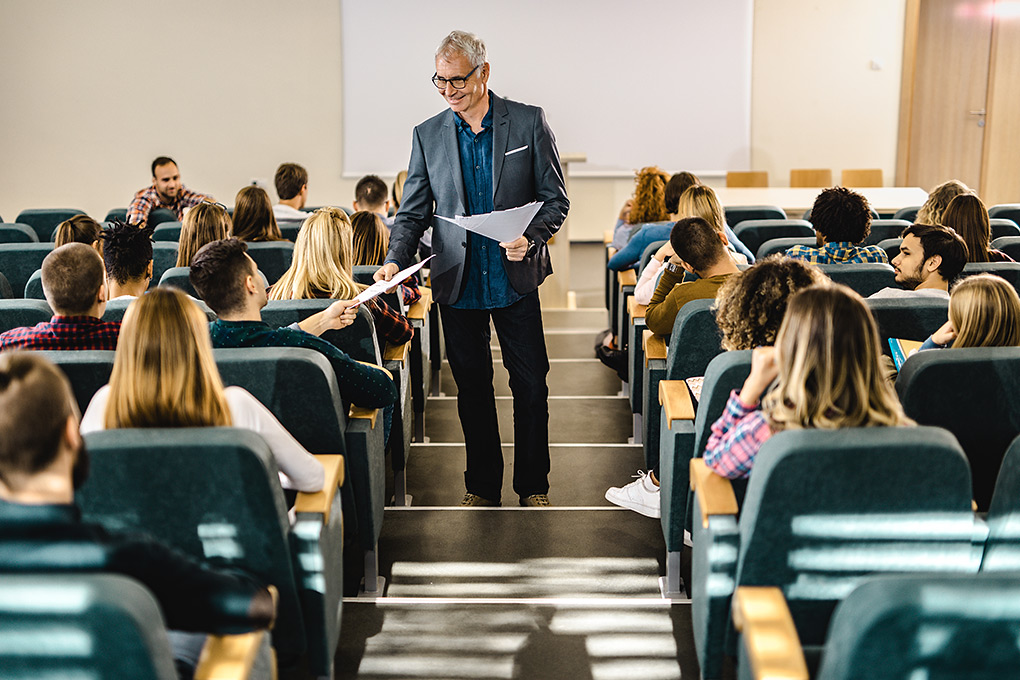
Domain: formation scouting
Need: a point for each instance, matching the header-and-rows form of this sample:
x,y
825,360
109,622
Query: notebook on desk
x,y
901,349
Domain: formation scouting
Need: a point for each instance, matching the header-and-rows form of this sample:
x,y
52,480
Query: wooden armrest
x,y
627,278
636,311
360,413
378,367
228,656
676,401
397,352
610,251
607,236
655,346
419,309
321,501
715,493
770,638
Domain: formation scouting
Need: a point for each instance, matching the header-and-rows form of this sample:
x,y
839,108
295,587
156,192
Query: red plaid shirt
x,y
147,200
64,332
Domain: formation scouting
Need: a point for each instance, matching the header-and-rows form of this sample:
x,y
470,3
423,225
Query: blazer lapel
x,y
500,138
453,161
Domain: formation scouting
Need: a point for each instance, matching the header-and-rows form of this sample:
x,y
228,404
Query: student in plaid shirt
x,y
826,366
842,219
74,283
166,192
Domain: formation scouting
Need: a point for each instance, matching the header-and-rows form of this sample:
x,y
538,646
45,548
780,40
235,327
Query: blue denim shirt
x,y
486,285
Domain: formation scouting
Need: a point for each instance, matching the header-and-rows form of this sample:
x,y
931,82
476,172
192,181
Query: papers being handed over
x,y
380,287
501,225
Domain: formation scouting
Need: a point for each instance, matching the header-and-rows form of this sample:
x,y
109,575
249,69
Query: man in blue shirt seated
x,y
842,220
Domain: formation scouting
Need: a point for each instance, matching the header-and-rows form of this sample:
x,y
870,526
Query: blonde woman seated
x,y
826,367
205,223
371,240
164,375
984,311
253,218
322,266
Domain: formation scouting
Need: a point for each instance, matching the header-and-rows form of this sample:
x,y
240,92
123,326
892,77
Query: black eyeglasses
x,y
457,83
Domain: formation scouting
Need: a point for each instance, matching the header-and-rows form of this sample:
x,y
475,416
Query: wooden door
x,y
1000,177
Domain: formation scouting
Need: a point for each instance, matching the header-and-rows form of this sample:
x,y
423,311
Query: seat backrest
x,y
753,233
168,231
1002,548
884,229
160,216
813,177
88,370
1007,270
18,312
1009,245
12,232
725,373
211,492
358,340
164,256
781,245
19,260
826,508
735,214
116,214
911,318
891,246
747,178
694,341
867,177
866,279
909,213
930,626
289,229
178,278
1009,211
972,393
115,309
1002,226
81,626
272,257
33,287
45,220
6,292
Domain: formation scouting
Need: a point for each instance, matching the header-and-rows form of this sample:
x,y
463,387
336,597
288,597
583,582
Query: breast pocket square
x,y
521,148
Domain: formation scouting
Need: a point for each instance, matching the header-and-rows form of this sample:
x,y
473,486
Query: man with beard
x,y
166,191
930,258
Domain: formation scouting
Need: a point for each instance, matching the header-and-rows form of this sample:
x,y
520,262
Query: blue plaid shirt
x,y
839,252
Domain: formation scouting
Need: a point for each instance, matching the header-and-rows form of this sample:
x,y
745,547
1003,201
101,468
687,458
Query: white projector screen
x,y
647,82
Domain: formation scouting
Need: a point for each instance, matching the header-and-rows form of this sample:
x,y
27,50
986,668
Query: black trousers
x,y
522,341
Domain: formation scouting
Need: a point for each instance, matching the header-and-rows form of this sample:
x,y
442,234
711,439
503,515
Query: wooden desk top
x,y
797,200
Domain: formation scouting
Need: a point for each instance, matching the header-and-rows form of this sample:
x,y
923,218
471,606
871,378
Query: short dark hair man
x,y
227,279
842,219
701,250
930,258
74,284
166,191
372,195
292,189
127,255
43,461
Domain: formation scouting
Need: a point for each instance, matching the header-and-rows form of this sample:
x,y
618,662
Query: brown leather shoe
x,y
475,501
537,500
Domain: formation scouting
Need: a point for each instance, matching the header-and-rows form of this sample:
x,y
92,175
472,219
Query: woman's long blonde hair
x,y
985,311
701,201
204,223
829,372
937,201
323,260
164,374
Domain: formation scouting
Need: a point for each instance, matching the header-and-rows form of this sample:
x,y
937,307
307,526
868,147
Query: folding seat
x,y
752,178
1002,548
45,220
178,278
55,625
735,214
909,213
635,345
18,312
6,292
1009,211
753,233
167,231
214,493
12,232
1007,270
289,230
972,393
891,246
160,216
358,340
164,256
824,510
33,287
273,258
1003,227
908,318
781,245
1009,245
884,229
19,260
87,370
866,279
116,214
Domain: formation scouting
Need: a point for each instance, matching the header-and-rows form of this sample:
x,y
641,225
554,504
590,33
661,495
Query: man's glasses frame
x,y
456,83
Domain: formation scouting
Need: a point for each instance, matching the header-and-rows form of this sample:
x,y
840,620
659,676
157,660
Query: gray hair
x,y
468,44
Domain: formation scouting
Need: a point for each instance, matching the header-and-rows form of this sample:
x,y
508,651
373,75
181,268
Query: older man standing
x,y
486,153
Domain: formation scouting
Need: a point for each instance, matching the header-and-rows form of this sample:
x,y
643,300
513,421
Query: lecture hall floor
x,y
564,592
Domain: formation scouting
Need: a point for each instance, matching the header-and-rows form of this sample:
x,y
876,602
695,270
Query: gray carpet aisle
x,y
566,592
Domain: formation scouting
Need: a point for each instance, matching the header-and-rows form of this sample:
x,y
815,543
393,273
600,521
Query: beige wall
x,y
93,91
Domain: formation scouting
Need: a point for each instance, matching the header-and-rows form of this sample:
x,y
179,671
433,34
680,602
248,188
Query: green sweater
x,y
671,294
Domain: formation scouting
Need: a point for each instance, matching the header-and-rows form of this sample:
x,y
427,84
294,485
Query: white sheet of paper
x,y
380,287
501,225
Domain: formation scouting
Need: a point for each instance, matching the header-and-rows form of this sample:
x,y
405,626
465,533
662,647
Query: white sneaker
x,y
641,495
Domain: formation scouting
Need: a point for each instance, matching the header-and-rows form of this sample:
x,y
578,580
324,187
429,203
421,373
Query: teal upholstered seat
x,y
737,214
909,213
272,257
33,287
1009,245
178,278
18,312
891,246
866,279
88,370
754,232
972,393
884,229
164,256
1002,548
160,216
19,260
1007,270
45,220
6,292
358,340
824,510
12,232
289,229
781,245
1002,227
636,348
908,318
214,493
167,231
116,214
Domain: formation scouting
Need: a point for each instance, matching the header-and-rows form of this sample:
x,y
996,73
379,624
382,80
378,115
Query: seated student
x,y
253,218
74,284
204,223
938,200
78,229
968,217
930,257
371,239
984,311
750,307
228,281
42,462
647,206
164,375
701,250
826,360
166,191
322,268
370,195
291,182
842,219
127,254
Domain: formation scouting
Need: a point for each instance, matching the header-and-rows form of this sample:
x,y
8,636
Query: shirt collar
x,y
240,324
463,126
87,320
23,513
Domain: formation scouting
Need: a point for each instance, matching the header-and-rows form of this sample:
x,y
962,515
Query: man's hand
x,y
386,272
516,250
625,210
664,252
340,314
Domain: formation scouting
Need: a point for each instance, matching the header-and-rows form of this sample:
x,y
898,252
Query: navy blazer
x,y
525,168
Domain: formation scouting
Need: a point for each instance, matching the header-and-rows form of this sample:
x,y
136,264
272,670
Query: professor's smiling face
x,y
472,98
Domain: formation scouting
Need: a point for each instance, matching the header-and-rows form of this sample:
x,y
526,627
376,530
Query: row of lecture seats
x,y
800,177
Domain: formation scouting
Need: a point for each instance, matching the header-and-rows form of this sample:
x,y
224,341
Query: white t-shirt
x,y
299,469
903,293
289,214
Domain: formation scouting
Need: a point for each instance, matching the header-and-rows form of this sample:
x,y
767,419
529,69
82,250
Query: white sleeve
x,y
300,470
95,415
645,287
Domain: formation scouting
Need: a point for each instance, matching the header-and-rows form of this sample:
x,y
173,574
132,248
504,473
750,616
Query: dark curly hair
x,y
127,251
650,196
840,215
750,305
